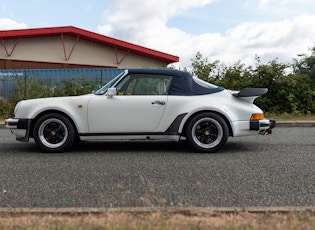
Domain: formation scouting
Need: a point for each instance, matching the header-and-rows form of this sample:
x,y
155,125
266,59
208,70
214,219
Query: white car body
x,y
113,115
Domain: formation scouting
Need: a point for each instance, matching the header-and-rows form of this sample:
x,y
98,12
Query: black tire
x,y
207,132
54,133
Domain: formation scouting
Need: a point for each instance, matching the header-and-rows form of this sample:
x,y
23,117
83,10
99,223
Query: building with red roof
x,y
71,47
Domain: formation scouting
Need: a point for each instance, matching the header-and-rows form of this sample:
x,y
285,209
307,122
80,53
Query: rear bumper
x,y
245,128
262,125
19,127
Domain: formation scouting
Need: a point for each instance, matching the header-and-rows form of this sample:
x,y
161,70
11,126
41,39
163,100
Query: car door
x,y
138,106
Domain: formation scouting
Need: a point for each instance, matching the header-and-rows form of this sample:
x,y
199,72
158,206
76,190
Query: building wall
x,y
14,64
49,52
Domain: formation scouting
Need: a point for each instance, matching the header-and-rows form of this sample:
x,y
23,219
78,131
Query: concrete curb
x,y
187,211
295,124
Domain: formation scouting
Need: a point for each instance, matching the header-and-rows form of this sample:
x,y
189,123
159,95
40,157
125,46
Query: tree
x,y
236,77
304,68
305,65
205,70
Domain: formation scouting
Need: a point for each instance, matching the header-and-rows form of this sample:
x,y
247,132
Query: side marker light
x,y
257,116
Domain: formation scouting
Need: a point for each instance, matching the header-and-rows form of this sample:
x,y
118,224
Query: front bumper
x,y
19,127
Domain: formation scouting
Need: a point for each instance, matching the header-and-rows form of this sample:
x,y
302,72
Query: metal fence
x,y
10,80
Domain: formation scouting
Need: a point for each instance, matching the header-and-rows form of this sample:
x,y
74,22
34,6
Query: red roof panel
x,y
91,36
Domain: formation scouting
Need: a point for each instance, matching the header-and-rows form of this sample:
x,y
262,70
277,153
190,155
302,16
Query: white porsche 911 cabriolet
x,y
143,104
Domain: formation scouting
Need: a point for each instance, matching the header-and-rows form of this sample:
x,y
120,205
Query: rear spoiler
x,y
250,94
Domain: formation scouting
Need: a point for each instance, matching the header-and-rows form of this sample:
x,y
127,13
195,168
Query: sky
x,y
224,30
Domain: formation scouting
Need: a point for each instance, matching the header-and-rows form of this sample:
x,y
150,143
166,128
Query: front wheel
x,y
207,132
54,133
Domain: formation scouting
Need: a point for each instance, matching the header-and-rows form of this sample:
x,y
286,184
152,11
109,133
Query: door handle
x,y
158,103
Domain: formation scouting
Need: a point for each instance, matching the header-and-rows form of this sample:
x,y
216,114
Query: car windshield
x,y
103,90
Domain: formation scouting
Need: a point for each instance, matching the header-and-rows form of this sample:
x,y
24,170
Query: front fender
x,y
74,107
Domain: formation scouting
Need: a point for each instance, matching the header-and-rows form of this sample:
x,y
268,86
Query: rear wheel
x,y
207,132
54,132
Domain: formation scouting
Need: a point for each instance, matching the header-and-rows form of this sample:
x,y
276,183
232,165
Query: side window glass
x,y
131,86
121,86
146,86
140,84
165,85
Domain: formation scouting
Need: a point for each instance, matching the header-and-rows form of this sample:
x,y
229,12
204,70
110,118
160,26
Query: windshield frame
x,y
110,84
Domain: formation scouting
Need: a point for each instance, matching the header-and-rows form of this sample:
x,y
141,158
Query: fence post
x,y
24,85
102,74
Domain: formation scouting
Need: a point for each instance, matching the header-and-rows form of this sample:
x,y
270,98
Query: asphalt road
x,y
260,171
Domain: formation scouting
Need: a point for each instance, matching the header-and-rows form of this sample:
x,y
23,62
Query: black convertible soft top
x,y
183,83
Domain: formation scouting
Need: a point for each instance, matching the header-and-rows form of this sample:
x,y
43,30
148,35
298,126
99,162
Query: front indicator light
x,y
257,116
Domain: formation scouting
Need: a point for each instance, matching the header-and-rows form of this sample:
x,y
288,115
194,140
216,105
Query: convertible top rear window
x,y
201,87
204,83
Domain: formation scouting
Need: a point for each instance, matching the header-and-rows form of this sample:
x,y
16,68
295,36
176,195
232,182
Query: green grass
x,y
291,117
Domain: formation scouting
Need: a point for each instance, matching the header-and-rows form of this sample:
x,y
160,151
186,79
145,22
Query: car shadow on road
x,y
130,147
151,147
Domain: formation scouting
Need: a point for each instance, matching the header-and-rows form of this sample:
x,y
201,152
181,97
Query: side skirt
x,y
129,136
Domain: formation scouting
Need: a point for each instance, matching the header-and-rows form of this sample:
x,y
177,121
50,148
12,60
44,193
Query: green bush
x,y
290,86
6,108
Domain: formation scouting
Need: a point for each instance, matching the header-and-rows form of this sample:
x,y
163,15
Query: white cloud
x,y
144,15
9,24
286,8
105,29
147,26
274,3
144,11
283,40
265,3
